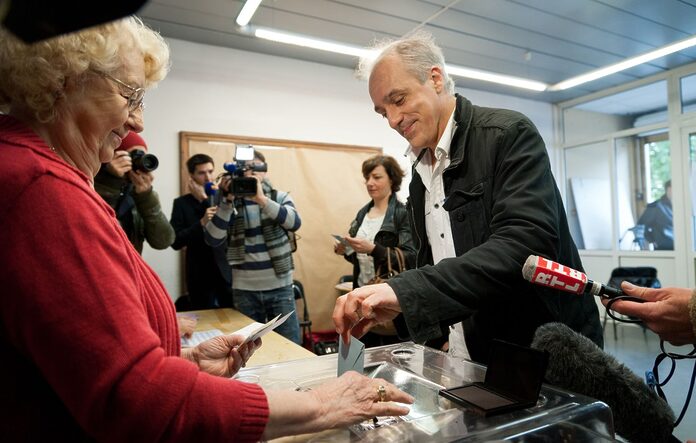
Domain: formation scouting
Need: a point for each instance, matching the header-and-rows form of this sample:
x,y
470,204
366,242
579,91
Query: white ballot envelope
x,y
351,356
257,330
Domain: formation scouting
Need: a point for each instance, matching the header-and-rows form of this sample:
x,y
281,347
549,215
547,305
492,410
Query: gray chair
x,y
641,276
305,322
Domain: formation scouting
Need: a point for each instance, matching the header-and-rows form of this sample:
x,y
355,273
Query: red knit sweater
x,y
88,336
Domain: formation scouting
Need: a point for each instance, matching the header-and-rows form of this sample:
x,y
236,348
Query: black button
x,y
442,235
436,206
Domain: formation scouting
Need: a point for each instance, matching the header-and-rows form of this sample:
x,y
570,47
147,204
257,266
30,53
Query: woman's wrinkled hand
x,y
353,397
187,325
222,355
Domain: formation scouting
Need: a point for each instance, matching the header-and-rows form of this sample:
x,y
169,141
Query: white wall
x,y
226,91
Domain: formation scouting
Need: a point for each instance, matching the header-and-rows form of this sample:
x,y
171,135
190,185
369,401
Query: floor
x,y
638,351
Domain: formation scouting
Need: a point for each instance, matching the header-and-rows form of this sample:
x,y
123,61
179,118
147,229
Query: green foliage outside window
x,y
660,167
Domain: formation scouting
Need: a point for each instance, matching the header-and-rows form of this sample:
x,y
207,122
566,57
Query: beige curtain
x,y
326,184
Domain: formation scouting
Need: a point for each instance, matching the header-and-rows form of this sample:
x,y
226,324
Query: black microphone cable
x,y
673,357
653,377
624,298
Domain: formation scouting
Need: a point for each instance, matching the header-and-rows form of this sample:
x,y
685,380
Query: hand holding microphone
x,y
544,272
213,194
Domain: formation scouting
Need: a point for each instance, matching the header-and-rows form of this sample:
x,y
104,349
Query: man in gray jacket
x,y
482,199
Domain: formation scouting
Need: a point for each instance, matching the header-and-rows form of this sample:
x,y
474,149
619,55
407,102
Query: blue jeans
x,y
263,306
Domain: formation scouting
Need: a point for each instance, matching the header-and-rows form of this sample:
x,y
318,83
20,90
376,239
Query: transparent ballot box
x,y
423,372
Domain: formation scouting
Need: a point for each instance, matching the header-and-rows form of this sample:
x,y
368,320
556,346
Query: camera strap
x,y
125,201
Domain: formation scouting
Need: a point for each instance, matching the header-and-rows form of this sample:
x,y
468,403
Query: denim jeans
x,y
265,305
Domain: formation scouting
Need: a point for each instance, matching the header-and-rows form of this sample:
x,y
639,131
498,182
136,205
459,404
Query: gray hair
x,y
418,52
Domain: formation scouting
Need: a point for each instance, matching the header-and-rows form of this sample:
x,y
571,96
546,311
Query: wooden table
x,y
275,348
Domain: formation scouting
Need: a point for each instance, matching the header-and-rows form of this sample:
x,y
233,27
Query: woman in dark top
x,y
379,227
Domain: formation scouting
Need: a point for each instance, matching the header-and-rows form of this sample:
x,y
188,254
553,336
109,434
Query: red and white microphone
x,y
544,272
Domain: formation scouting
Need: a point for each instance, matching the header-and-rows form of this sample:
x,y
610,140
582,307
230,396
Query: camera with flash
x,y
242,186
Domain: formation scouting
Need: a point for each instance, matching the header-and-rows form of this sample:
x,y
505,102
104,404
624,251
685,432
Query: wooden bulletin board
x,y
326,184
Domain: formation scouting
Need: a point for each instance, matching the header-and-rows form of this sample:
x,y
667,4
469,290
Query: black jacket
x,y
504,206
206,267
394,232
657,220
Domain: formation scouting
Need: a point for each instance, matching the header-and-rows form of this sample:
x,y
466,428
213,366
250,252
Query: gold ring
x,y
382,391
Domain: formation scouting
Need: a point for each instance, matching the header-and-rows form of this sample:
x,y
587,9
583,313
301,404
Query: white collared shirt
x,y
437,221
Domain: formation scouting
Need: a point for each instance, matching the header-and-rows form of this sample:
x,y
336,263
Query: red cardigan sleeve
x,y
82,306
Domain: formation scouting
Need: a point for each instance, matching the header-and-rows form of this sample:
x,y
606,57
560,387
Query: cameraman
x,y
258,249
130,194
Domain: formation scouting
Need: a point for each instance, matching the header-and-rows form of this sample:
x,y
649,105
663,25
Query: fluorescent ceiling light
x,y
247,12
496,78
340,48
628,63
460,71
308,42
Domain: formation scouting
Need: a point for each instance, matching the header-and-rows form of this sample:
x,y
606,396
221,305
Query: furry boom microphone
x,y
578,365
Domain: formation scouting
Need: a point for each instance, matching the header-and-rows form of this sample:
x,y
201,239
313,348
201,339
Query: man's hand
x,y
665,311
225,184
209,213
362,308
259,198
196,190
142,181
120,164
222,355
360,245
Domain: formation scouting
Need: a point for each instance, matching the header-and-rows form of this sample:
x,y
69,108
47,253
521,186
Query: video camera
x,y
142,161
243,186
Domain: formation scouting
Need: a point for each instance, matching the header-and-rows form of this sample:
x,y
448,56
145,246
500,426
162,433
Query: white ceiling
x,y
543,40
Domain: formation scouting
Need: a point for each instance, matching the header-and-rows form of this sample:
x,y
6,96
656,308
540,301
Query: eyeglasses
x,y
135,98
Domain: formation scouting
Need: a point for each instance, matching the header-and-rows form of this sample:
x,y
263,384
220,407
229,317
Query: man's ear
x,y
437,78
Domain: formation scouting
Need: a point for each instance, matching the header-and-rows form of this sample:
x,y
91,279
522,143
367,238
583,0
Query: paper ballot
x,y
257,330
351,356
251,331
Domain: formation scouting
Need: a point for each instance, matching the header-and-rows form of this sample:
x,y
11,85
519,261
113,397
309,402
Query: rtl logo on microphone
x,y
555,275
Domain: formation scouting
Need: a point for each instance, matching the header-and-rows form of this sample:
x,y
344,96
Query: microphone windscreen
x,y
529,268
578,365
210,189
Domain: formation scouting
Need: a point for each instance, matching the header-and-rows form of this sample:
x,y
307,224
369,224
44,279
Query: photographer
x,y
125,183
258,249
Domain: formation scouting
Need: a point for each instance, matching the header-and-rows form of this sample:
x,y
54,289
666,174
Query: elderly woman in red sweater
x,y
89,340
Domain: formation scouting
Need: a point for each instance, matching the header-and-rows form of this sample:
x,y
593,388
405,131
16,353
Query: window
x,y
636,107
643,187
588,195
688,93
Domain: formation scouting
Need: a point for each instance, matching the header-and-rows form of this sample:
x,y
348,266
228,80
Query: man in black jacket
x,y
208,276
482,199
657,219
